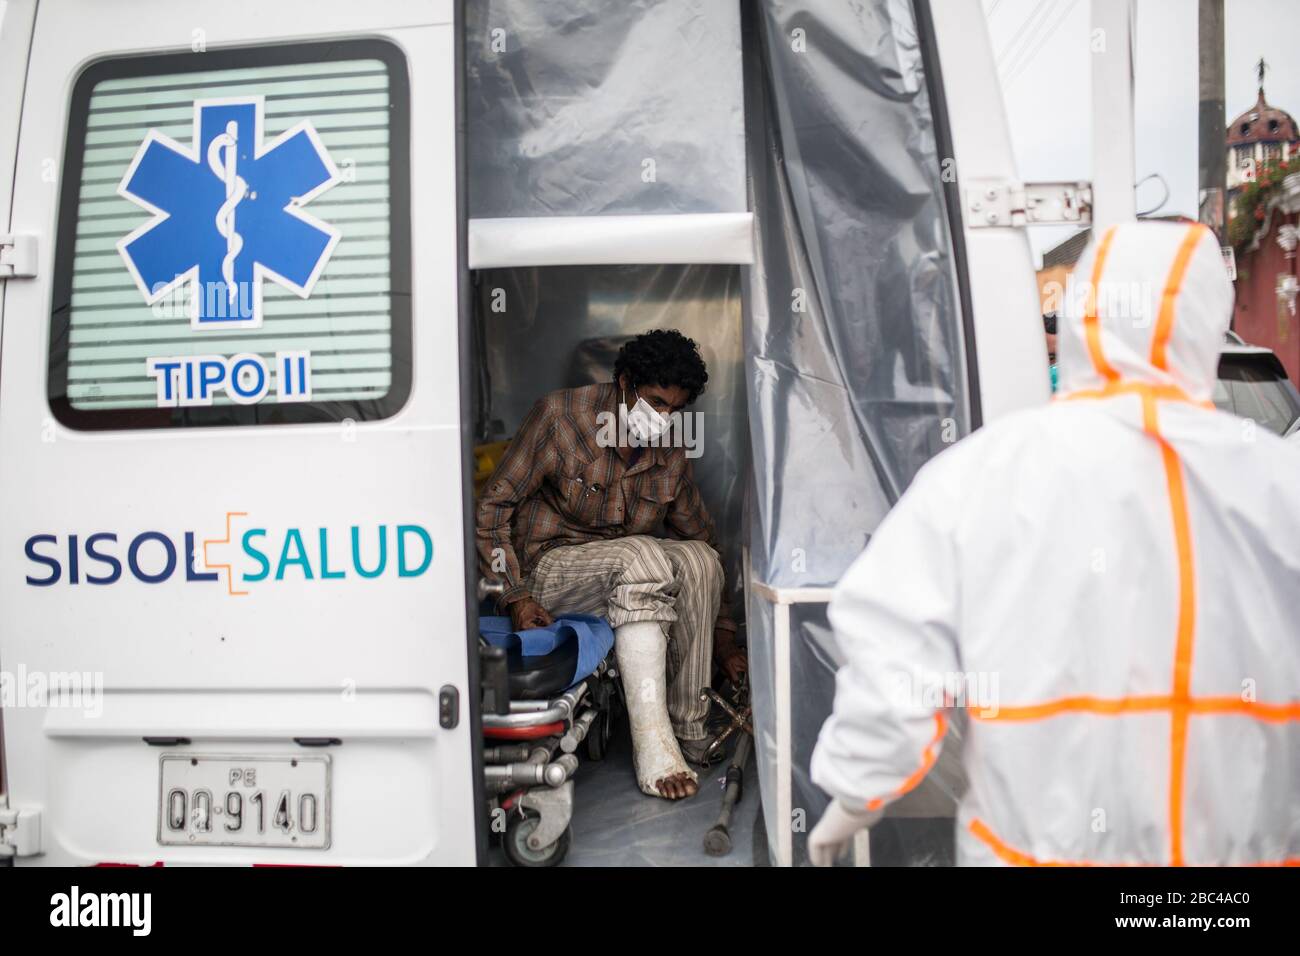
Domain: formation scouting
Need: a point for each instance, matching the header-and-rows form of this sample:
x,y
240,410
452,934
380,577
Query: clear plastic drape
x,y
604,107
853,336
593,107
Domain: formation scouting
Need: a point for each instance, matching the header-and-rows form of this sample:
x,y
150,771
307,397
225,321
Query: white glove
x,y
834,832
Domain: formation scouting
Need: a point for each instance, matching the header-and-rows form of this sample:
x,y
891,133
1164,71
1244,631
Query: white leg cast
x,y
642,651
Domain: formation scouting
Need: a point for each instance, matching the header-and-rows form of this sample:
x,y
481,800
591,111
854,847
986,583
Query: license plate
x,y
244,801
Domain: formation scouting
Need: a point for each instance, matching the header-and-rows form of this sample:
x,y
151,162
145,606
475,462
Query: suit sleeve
x,y
895,616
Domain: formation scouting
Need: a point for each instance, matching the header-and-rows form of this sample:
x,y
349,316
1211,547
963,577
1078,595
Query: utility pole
x,y
1213,136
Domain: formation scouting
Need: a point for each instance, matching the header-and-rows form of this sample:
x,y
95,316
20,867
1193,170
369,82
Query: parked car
x,y
1253,384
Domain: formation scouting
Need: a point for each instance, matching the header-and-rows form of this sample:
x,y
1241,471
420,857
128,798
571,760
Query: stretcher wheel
x,y
515,842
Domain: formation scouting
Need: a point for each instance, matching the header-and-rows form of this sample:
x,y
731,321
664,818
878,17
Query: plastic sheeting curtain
x,y
598,107
605,107
853,337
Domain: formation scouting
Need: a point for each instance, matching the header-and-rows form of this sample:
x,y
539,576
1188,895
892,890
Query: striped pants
x,y
639,578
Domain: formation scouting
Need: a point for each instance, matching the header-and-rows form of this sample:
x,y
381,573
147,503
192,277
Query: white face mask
x,y
643,422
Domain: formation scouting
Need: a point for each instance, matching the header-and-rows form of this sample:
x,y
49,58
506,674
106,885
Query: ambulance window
x,y
234,240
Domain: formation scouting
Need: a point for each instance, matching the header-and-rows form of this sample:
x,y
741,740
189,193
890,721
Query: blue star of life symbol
x,y
227,213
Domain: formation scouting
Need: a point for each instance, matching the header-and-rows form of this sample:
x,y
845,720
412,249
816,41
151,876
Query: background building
x,y
1262,137
1264,199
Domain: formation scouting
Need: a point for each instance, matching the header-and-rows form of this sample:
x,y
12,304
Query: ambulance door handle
x,y
448,707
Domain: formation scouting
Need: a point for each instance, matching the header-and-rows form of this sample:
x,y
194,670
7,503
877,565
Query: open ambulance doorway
x,y
604,202
542,329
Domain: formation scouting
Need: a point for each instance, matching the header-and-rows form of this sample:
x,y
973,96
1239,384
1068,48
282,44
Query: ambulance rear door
x,y
232,537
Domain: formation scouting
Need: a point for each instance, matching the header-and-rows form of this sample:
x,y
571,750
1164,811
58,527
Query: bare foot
x,y
677,786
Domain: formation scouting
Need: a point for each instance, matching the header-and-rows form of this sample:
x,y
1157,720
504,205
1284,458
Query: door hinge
x,y
20,832
1003,203
17,257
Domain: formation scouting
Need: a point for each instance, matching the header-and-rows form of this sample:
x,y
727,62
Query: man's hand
x,y
728,655
834,833
527,613
731,658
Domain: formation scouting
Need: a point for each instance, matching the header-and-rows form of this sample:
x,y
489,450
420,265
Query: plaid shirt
x,y
556,486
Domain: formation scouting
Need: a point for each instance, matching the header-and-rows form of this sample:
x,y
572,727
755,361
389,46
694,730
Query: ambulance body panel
x,y
220,583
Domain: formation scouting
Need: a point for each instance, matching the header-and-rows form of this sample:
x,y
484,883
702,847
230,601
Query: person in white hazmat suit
x,y
1123,566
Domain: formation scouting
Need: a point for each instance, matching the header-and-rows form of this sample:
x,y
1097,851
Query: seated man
x,y
571,521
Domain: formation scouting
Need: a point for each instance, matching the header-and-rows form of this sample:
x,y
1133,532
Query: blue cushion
x,y
594,636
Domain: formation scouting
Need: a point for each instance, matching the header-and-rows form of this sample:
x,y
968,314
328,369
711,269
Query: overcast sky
x,y
1042,51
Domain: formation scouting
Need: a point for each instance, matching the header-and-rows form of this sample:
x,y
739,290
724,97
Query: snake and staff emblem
x,y
263,232
223,156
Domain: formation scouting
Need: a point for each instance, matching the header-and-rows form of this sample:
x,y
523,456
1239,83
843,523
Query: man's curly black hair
x,y
663,357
